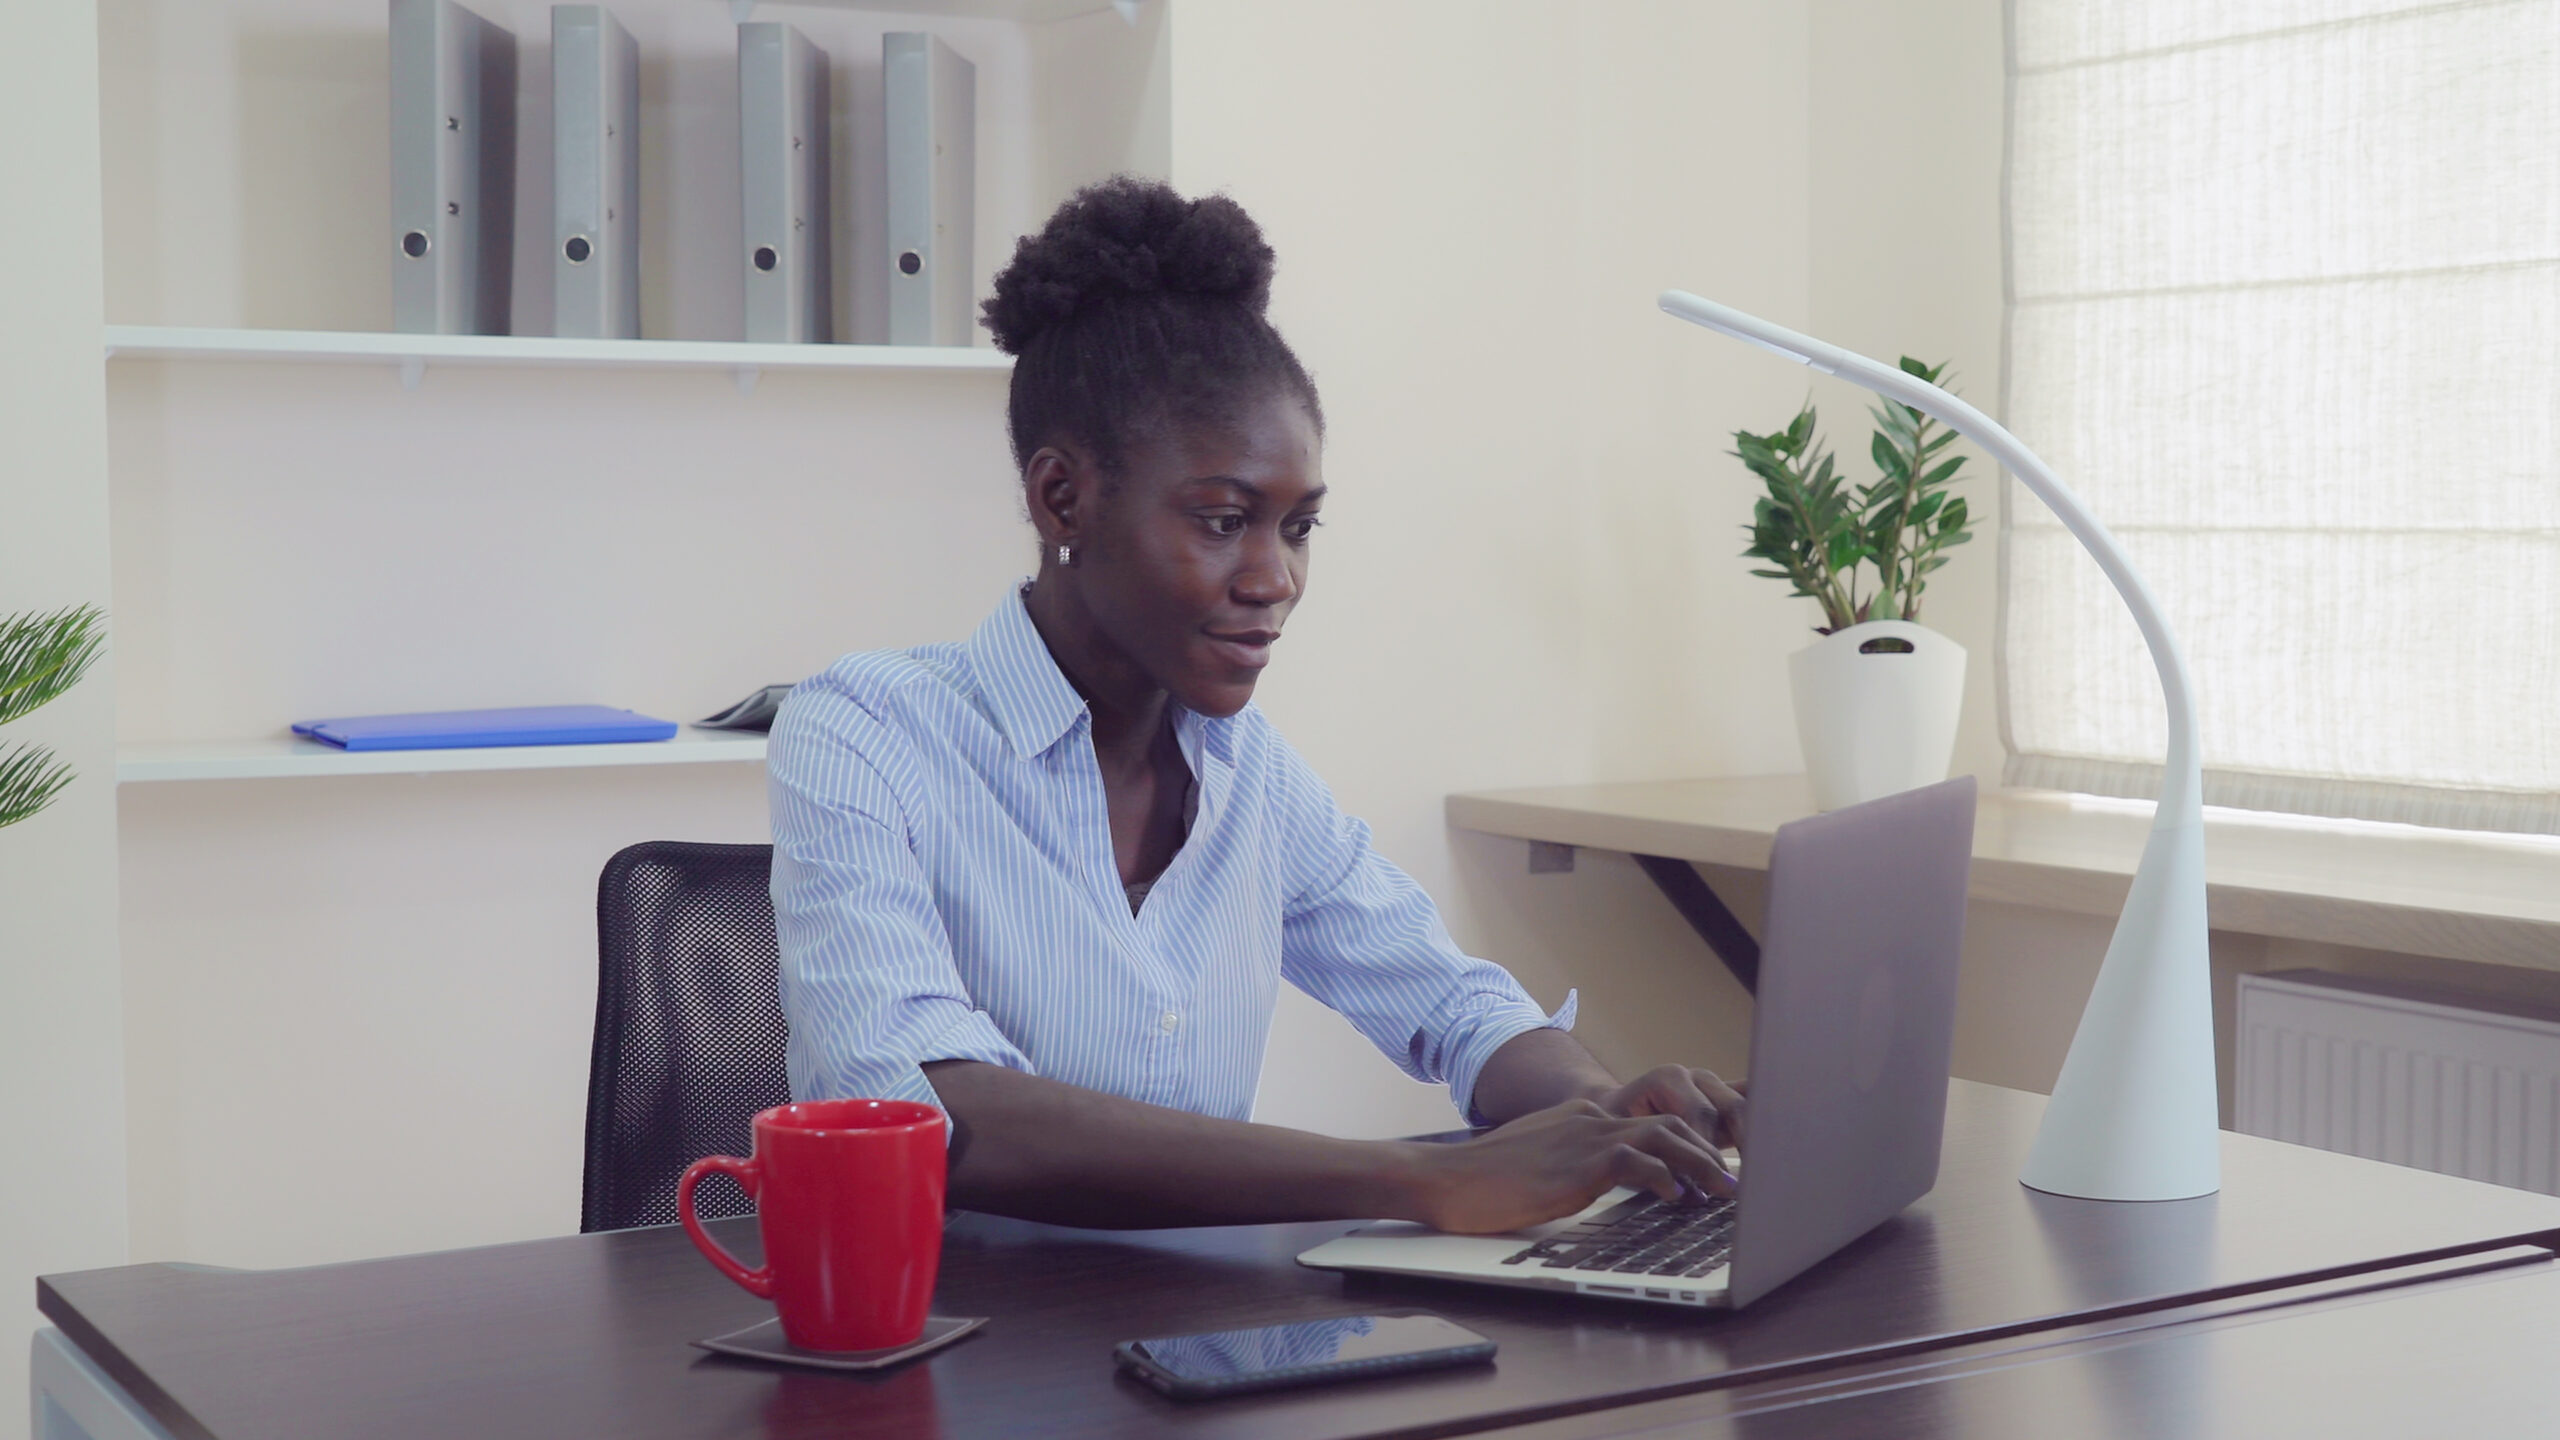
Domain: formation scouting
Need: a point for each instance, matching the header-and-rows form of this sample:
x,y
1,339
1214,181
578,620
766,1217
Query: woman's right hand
x,y
1550,1163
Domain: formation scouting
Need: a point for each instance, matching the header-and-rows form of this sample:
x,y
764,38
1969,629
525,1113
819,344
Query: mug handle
x,y
749,1175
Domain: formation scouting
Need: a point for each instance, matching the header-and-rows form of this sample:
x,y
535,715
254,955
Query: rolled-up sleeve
x,y
1360,936
868,979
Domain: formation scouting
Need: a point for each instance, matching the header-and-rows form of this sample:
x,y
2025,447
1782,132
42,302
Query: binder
x,y
782,136
474,729
595,171
932,131
453,169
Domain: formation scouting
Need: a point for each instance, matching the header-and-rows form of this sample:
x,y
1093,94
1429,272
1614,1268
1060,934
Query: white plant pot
x,y
1877,720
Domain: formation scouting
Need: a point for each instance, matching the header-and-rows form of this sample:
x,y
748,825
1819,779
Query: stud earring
x,y
1066,556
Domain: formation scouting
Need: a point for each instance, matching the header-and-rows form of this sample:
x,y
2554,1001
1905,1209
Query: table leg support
x,y
75,1400
1706,912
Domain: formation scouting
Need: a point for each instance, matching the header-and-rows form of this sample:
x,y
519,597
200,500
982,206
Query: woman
x,y
1050,878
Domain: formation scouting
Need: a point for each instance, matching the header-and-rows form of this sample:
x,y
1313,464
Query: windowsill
x,y
2455,894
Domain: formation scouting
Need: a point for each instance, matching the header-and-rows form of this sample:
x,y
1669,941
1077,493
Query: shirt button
x,y
1170,1023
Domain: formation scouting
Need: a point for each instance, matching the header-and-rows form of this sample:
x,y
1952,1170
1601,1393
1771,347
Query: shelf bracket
x,y
746,378
741,11
1698,903
413,368
1128,9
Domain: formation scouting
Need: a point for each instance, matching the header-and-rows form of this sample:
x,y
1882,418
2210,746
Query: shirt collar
x,y
1032,700
1029,695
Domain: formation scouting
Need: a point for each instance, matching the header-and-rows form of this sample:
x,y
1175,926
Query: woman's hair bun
x,y
1127,237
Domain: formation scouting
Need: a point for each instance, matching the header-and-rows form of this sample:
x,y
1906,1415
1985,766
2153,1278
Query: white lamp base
x,y
2134,1115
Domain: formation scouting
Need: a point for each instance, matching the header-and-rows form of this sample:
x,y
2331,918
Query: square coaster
x,y
765,1342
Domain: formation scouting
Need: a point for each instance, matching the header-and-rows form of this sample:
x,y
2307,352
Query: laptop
x,y
1851,1031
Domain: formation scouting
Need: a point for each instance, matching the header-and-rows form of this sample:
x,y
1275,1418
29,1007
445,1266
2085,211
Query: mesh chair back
x,y
689,1026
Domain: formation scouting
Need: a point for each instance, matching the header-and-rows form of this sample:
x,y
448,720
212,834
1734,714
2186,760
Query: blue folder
x,y
465,729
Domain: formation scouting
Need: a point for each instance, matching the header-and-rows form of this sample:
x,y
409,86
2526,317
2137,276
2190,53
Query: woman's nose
x,y
1265,578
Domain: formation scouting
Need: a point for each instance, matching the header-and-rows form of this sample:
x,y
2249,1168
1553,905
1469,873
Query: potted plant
x,y
1877,698
40,657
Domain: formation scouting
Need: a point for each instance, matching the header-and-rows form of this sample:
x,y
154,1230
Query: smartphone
x,y
1309,1352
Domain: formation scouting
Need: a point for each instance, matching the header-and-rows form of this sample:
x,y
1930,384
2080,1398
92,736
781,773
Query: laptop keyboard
x,y
1641,1236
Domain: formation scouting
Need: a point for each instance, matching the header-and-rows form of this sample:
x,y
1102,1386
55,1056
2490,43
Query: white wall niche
x,y
246,150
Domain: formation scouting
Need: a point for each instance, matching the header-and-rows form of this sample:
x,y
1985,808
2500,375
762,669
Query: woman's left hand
x,y
1712,1107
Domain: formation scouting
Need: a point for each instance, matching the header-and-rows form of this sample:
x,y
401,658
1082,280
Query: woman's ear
x,y
1059,490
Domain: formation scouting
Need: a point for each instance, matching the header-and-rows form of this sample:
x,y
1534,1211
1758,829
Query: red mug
x,y
849,1199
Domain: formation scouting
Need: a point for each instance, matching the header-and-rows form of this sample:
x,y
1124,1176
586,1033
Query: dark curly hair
x,y
1135,309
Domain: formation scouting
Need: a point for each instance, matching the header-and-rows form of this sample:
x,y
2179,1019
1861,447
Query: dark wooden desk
x,y
585,1335
2466,1356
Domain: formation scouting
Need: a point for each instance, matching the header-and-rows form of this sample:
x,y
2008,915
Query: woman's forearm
x,y
1043,1150
1535,1069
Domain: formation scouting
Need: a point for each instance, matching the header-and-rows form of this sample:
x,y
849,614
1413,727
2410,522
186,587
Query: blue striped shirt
x,y
945,888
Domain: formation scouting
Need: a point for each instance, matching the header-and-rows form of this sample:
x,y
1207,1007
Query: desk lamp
x,y
2134,1115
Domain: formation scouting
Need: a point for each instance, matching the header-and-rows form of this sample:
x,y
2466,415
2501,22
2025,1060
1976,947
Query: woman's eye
x,y
1225,524
1299,530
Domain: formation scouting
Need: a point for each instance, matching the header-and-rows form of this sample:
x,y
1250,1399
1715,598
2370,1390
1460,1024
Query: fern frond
x,y
29,779
41,656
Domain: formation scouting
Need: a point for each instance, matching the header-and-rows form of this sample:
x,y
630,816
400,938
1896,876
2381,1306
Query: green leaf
x,y
1944,472
41,656
1888,458
1800,429
1914,367
29,779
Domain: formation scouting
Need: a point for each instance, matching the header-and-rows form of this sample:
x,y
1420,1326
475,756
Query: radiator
x,y
2460,1084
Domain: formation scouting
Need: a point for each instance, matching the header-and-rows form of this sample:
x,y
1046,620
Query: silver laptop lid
x,y
1852,1026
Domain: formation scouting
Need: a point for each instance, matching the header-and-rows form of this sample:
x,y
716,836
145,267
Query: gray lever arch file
x,y
595,175
932,130
782,134
453,169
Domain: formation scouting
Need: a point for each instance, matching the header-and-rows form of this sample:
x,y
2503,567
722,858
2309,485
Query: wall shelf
x,y
290,758
1025,11
412,354
2458,895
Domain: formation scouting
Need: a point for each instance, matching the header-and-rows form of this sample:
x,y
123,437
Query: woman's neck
x,y
1128,707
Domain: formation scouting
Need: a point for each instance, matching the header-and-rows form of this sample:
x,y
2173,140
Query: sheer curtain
x,y
2284,305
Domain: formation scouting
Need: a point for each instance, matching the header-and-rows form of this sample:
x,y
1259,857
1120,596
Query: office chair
x,y
689,1026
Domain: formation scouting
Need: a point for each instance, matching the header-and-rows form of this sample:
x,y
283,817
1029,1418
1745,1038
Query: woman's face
x,y
1198,552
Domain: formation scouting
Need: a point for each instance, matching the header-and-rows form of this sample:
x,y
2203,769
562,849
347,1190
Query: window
x,y
2284,306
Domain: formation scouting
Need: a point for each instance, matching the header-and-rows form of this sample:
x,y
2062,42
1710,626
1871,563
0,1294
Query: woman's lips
x,y
1247,649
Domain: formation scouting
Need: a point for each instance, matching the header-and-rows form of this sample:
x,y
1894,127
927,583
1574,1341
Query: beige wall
x,y
1526,571
1909,117
1906,139
62,1093
1530,576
